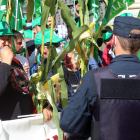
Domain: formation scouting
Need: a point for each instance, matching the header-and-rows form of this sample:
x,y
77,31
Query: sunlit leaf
x,y
52,9
67,16
45,13
30,10
55,111
86,13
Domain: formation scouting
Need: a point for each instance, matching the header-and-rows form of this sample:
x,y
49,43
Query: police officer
x,y
85,105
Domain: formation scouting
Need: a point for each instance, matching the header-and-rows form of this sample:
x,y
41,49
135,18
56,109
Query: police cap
x,y
123,26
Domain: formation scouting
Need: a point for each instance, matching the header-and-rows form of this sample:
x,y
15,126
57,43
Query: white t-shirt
x,y
23,60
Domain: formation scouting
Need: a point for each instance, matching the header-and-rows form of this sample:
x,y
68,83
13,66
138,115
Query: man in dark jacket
x,y
13,102
85,104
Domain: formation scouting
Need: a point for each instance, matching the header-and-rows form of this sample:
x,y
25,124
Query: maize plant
x,y
83,39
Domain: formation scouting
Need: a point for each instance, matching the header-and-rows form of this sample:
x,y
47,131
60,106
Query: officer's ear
x,y
114,40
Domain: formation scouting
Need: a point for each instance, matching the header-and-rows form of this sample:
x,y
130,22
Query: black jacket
x,y
12,102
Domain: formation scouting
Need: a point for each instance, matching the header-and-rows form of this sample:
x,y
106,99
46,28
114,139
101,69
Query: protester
x,y
38,44
19,46
72,72
14,97
107,38
61,31
85,104
29,38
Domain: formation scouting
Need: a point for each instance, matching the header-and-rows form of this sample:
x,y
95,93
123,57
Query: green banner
x,y
118,6
114,8
3,10
139,15
16,22
94,11
38,7
129,0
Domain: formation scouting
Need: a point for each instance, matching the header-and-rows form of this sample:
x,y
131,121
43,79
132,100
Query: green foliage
x,y
64,92
67,16
55,111
107,14
52,10
30,10
12,6
45,13
86,14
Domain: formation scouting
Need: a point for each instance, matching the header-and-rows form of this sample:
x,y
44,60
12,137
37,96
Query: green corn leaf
x,y
81,9
81,45
98,32
45,13
67,16
55,111
64,92
94,42
56,8
86,13
35,98
52,9
12,5
30,10
96,53
68,49
107,14
81,3
72,43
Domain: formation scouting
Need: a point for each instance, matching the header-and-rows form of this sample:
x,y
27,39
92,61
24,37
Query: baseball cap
x,y
123,26
107,32
36,21
55,39
126,14
29,34
5,29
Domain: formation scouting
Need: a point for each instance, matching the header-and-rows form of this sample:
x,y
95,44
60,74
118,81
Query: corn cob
x,y
54,78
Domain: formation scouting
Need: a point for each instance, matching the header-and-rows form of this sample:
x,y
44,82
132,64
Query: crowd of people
x,y
106,104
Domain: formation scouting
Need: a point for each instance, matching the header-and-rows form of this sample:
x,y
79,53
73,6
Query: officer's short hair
x,y
127,30
130,44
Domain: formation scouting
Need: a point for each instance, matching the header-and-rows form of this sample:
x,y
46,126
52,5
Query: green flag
x,y
16,23
130,1
139,15
3,10
94,11
38,8
114,8
118,6
21,2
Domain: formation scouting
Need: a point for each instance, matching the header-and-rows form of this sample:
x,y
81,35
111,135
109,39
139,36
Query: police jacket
x,y
76,117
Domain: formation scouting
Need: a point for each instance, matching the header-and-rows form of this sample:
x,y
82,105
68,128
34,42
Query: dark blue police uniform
x,y
76,117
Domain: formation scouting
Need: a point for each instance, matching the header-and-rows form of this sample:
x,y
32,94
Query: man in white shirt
x,y
18,46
